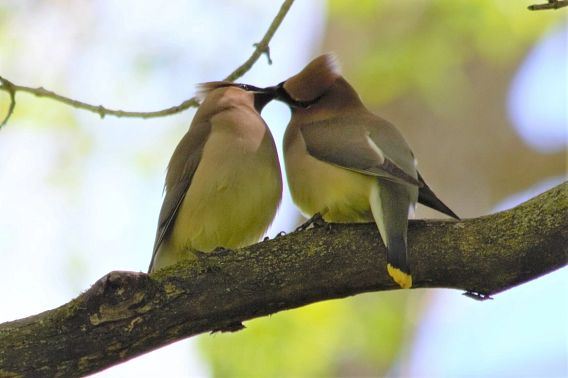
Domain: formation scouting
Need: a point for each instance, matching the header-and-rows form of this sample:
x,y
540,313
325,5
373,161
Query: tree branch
x,y
9,87
125,314
260,48
551,4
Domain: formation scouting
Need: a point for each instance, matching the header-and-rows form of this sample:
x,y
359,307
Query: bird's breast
x,y
340,195
233,196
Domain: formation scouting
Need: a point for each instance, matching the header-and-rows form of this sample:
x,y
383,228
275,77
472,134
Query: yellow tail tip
x,y
398,276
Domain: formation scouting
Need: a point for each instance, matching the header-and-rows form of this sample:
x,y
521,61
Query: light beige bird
x,y
223,183
349,165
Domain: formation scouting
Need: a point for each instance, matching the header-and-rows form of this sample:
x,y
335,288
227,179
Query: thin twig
x,y
260,48
99,109
9,87
552,4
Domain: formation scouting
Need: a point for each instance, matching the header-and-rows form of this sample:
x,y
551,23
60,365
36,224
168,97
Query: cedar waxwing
x,y
223,183
349,165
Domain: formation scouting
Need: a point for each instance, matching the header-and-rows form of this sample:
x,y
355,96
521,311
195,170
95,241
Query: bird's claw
x,y
199,255
281,233
220,252
315,221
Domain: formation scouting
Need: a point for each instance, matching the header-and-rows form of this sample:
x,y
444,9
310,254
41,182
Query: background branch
x,y
260,48
9,87
126,314
551,4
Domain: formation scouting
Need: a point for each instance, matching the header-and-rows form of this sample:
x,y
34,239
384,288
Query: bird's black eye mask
x,y
262,96
284,96
244,87
249,88
265,95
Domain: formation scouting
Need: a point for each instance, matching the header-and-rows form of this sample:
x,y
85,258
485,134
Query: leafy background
x,y
477,88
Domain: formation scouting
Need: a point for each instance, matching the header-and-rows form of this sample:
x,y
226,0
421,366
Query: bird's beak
x,y
279,93
263,96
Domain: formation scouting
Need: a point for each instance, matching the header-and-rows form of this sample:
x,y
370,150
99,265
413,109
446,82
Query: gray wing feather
x,y
181,169
172,202
428,198
356,151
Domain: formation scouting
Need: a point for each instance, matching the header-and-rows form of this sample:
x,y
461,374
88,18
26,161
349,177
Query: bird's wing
x,y
351,145
427,197
182,167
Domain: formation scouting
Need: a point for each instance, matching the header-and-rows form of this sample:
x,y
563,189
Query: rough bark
x,y
126,314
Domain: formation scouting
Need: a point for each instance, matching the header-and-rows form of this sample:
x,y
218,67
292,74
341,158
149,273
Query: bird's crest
x,y
203,89
314,79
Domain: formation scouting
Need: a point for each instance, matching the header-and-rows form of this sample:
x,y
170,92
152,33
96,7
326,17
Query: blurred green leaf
x,y
397,47
355,336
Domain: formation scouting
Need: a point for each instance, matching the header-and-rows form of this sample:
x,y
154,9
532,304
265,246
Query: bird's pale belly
x,y
231,216
231,208
339,195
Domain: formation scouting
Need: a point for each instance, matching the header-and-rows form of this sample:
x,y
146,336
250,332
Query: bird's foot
x,y
477,295
280,234
200,256
219,252
315,221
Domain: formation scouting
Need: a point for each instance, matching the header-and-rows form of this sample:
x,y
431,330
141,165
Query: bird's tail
x,y
390,206
398,266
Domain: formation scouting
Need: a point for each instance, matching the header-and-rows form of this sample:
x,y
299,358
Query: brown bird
x,y
349,165
223,183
